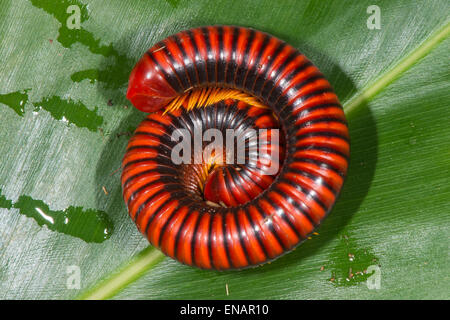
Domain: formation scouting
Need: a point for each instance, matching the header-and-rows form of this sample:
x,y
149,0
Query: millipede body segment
x,y
216,214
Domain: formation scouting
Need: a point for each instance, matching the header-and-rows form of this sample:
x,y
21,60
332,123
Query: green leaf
x,y
66,122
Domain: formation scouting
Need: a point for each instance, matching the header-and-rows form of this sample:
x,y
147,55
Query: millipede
x,y
216,214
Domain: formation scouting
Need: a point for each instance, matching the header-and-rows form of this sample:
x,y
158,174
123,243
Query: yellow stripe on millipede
x,y
204,97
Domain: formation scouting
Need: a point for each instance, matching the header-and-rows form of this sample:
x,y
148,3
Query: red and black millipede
x,y
232,216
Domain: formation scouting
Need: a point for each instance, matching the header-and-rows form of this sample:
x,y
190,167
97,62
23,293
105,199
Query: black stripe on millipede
x,y
204,62
208,117
326,150
289,116
148,147
231,63
165,126
158,147
225,240
275,232
236,177
300,206
251,120
302,99
199,63
308,192
284,217
221,61
177,235
263,77
194,237
252,73
191,121
256,233
282,103
182,199
209,242
171,78
291,75
241,240
229,115
220,115
164,170
241,132
242,68
149,134
187,75
210,63
277,93
314,177
270,84
160,158
142,206
270,225
177,68
304,123
157,159
161,150
164,140
318,76
320,164
168,187
248,177
152,217
227,184
168,220
163,206
174,120
322,149
191,68
323,133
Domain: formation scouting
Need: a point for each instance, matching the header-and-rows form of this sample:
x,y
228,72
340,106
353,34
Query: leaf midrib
x,y
150,257
373,88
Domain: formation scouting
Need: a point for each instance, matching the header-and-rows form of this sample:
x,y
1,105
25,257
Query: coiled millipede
x,y
219,215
